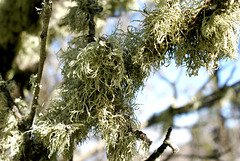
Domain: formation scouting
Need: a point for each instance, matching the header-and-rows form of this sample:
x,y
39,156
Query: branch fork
x,y
167,142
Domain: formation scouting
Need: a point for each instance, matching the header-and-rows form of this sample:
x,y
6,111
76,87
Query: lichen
x,y
174,31
78,17
56,137
10,137
96,93
101,78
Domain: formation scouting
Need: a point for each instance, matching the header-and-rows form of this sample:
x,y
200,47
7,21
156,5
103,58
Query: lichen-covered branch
x,y
91,23
167,142
47,10
11,104
193,35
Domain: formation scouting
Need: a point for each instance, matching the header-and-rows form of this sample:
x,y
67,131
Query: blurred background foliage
x,y
203,110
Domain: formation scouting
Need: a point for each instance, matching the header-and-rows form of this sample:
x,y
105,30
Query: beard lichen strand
x,y
104,89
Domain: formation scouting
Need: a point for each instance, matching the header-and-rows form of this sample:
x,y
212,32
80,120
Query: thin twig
x,y
167,142
231,74
172,84
47,10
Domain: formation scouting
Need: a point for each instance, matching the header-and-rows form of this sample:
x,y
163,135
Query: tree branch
x,y
91,25
167,142
214,156
47,10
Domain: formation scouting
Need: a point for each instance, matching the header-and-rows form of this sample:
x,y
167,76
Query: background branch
x,y
205,101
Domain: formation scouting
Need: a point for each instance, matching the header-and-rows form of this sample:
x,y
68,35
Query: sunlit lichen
x,y
56,137
121,143
10,138
196,36
97,93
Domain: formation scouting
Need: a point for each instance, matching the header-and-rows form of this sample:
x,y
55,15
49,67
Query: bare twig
x,y
173,85
47,10
167,142
202,102
214,156
143,137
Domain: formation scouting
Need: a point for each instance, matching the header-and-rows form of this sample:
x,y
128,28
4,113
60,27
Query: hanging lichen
x,y
97,94
196,36
101,78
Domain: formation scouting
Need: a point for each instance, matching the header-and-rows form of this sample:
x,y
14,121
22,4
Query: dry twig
x,y
167,142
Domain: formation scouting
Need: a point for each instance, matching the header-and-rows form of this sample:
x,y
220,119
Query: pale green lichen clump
x,y
96,95
56,137
173,31
10,137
